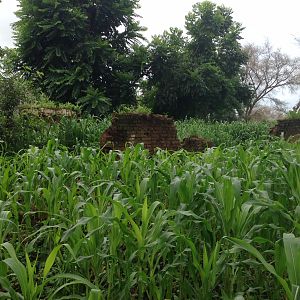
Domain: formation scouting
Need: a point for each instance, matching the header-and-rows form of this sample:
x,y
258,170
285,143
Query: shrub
x,y
293,115
10,98
141,109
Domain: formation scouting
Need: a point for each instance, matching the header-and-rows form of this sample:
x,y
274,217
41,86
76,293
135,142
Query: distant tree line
x,y
93,53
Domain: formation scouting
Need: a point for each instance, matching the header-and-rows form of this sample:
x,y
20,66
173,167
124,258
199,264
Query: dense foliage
x,y
293,114
82,51
78,223
86,131
133,226
227,134
33,130
198,74
89,53
14,91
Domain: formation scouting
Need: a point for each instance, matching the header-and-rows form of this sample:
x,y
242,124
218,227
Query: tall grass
x,y
36,131
74,133
130,225
226,133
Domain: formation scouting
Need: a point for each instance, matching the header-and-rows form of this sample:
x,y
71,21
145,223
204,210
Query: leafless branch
x,y
268,71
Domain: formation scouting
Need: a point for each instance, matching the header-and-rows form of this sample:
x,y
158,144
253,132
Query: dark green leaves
x,y
78,46
198,75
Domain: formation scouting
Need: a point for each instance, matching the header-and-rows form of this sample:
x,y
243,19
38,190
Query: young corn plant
x,y
33,283
30,288
290,257
141,226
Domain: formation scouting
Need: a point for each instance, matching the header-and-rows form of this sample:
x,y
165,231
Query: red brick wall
x,y
287,128
155,131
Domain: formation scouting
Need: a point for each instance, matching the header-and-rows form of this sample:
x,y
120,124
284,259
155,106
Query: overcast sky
x,y
278,21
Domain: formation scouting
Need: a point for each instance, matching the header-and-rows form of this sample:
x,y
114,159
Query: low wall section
x,y
287,128
155,131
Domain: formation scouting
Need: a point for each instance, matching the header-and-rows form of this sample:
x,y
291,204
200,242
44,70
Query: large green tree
x,y
198,75
82,50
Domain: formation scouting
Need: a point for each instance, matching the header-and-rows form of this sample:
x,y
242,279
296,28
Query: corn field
x,y
224,224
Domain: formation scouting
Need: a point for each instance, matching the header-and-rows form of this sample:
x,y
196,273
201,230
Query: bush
x,y
141,109
10,98
293,115
17,131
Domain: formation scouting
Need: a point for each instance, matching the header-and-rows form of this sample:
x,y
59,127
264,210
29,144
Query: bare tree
x,y
296,108
268,71
265,112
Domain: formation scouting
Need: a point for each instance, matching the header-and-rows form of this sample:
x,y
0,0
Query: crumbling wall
x,y
287,128
196,144
154,131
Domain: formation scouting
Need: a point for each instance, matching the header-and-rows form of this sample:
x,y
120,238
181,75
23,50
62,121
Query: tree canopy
x,y
83,50
198,75
89,52
266,72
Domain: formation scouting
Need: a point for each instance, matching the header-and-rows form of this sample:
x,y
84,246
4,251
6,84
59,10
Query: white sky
x,y
275,20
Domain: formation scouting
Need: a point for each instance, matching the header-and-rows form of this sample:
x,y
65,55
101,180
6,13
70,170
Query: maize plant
x,y
83,224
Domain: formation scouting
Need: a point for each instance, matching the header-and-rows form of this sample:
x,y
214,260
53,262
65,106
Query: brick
x,y
286,127
154,131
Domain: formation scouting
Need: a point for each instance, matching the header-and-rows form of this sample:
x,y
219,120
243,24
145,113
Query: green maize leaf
x,y
292,252
95,295
248,247
50,260
20,272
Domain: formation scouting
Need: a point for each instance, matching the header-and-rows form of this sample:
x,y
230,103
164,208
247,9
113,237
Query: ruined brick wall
x,y
155,131
196,144
287,127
